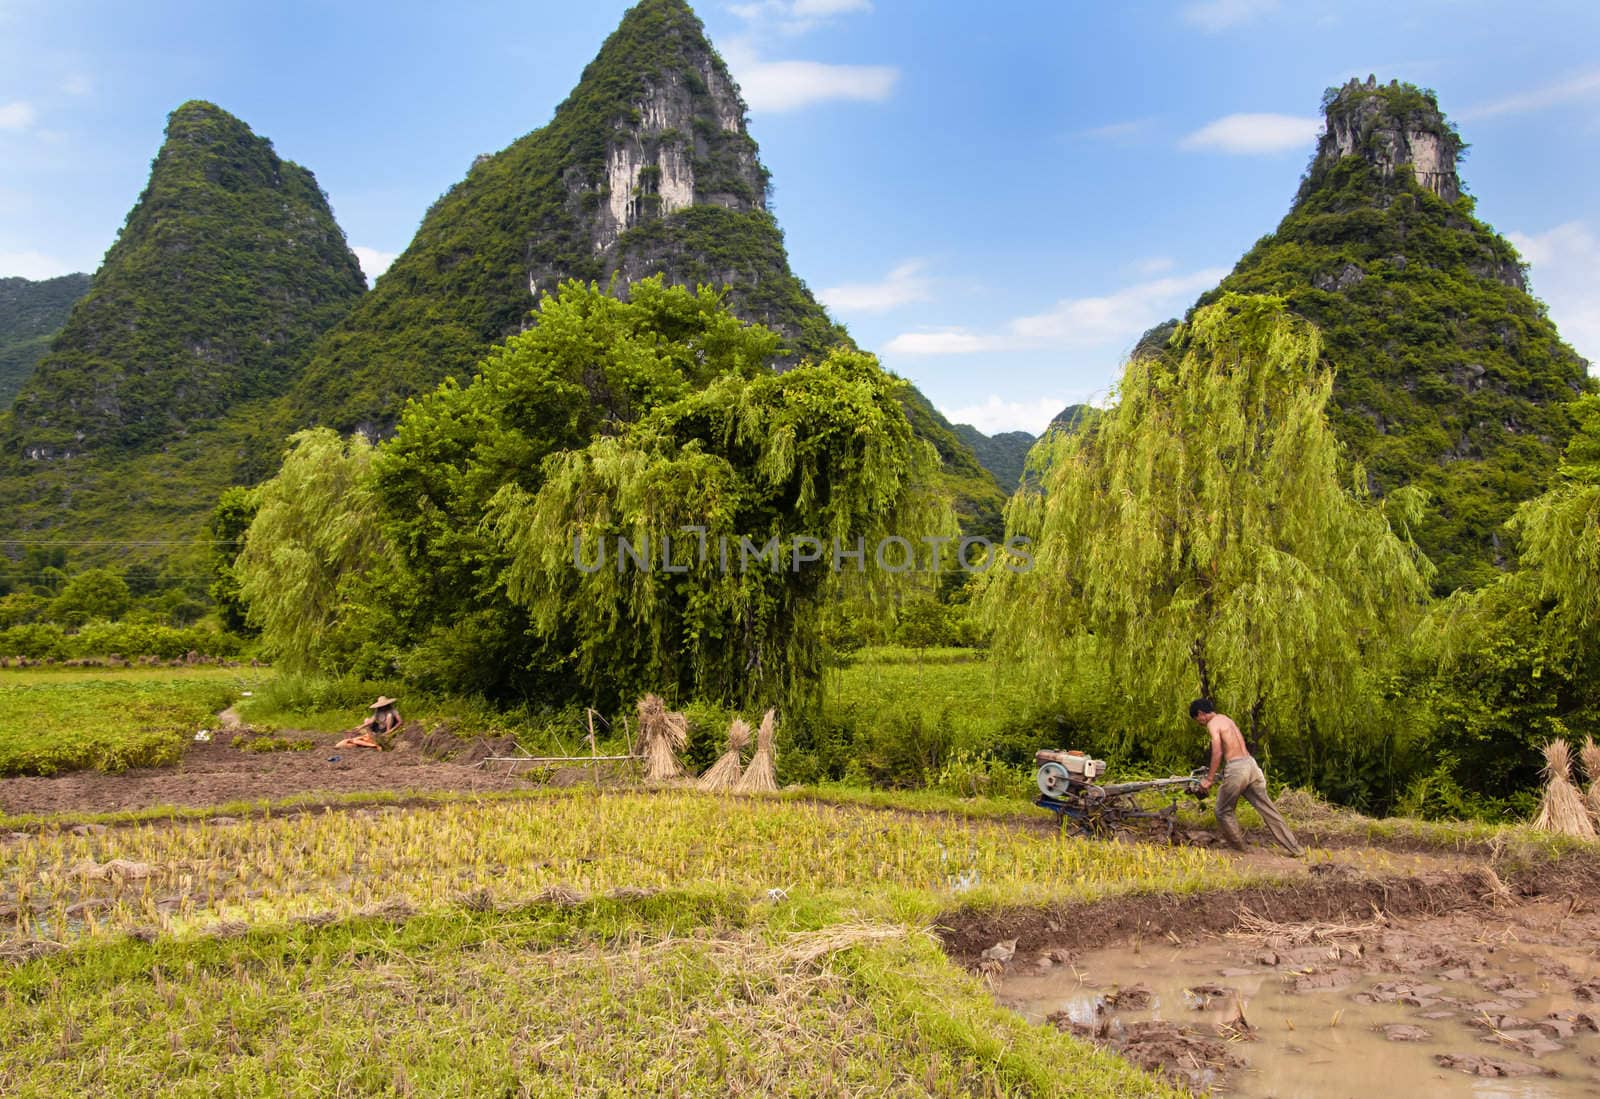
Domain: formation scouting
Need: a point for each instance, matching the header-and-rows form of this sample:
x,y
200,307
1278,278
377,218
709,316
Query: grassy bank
x,y
673,994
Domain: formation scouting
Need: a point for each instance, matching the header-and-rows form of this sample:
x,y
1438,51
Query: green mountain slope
x,y
646,168
1449,374
31,313
1002,455
155,395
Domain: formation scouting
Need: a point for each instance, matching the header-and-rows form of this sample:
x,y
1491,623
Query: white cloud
x,y
789,85
1121,315
903,285
1583,86
373,262
77,84
33,265
1564,268
1251,134
795,16
996,415
940,341
16,115
1102,321
1218,15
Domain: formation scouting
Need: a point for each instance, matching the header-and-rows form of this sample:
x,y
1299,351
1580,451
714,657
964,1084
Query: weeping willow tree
x,y
698,548
1203,537
315,532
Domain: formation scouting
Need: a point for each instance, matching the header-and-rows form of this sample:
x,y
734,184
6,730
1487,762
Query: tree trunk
x,y
1199,652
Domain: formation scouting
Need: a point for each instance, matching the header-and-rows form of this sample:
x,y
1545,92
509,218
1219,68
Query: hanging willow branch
x,y
822,451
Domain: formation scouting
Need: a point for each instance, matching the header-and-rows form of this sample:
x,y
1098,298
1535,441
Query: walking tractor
x,y
1068,788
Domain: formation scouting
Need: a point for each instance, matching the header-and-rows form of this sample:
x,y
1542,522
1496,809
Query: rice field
x,y
109,720
184,878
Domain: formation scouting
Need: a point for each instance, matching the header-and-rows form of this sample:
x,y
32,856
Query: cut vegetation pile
x,y
761,777
1562,809
1591,768
724,774
665,734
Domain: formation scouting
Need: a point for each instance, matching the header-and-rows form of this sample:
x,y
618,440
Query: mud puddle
x,y
1450,1006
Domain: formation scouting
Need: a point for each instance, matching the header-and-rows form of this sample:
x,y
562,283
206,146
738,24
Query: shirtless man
x,y
1241,777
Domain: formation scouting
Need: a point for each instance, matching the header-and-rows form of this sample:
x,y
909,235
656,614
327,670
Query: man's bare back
x,y
1226,735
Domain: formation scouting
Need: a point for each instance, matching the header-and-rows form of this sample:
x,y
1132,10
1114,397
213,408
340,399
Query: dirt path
x,y
217,773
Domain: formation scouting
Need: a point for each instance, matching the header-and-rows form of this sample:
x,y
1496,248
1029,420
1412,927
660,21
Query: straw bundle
x,y
1591,768
664,735
1562,809
724,774
761,776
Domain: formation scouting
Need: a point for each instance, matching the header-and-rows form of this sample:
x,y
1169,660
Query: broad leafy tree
x,y
819,463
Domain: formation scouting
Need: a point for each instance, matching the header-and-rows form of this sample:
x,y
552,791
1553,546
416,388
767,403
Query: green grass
x,y
674,994
64,720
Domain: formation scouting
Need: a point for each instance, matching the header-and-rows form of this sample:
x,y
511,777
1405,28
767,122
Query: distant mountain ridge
x,y
1003,454
31,313
154,396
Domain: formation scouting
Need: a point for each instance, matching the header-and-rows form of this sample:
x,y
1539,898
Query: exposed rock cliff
x,y
1390,126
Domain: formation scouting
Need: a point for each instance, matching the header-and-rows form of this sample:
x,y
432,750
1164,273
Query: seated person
x,y
384,719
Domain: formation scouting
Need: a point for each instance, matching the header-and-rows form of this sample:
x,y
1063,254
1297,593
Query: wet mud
x,y
1445,984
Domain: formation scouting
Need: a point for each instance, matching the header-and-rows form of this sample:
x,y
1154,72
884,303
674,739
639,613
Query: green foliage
x,y
821,451
1517,663
31,313
1448,375
230,519
1201,539
896,717
606,418
48,641
314,531
96,593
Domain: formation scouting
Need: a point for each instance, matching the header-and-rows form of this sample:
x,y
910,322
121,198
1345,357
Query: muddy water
x,y
1335,1042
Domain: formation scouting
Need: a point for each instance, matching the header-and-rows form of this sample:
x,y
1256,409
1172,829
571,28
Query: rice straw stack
x,y
1562,809
761,777
1591,768
724,774
665,734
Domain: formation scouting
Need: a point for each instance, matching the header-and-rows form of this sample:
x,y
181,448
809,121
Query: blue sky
x,y
997,198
